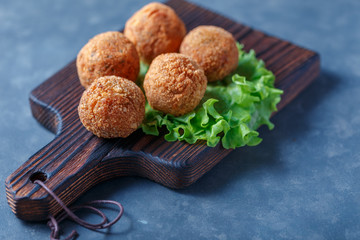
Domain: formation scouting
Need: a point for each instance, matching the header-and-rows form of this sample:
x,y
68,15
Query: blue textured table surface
x,y
301,182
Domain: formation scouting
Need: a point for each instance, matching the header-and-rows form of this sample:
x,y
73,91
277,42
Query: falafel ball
x,y
174,84
112,107
106,54
155,29
214,49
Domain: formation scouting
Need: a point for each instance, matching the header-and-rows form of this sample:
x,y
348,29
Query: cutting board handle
x,y
69,165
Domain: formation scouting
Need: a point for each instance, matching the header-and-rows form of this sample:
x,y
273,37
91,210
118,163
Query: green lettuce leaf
x,y
230,112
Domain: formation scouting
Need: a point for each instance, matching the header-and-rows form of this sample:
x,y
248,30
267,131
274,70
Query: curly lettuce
x,y
231,110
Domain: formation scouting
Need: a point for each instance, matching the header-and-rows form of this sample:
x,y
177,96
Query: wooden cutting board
x,y
76,160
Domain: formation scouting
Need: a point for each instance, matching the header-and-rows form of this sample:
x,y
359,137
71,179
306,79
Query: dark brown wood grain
x,y
76,159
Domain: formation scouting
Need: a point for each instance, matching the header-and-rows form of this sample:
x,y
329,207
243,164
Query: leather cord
x,y
68,212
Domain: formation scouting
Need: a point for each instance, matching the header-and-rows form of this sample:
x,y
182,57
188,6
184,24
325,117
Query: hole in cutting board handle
x,y
41,176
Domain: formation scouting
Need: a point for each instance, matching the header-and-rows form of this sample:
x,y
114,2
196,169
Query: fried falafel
x,y
214,49
174,84
106,54
112,107
155,29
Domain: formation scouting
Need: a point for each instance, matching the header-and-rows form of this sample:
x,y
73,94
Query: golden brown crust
x,y
112,107
174,84
155,29
214,49
106,54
